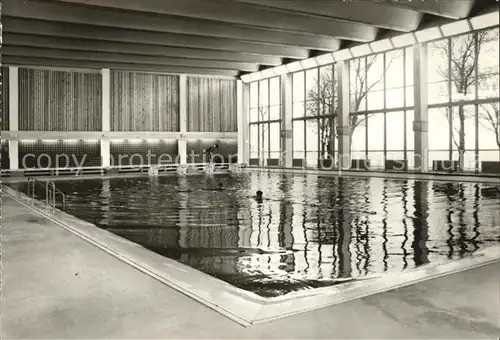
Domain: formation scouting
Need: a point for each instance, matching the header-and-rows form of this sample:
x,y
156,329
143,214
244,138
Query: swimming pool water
x,y
309,231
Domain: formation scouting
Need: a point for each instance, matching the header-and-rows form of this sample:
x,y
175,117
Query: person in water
x,y
259,196
210,152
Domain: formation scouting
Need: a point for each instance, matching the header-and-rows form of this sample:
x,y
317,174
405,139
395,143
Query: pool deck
x,y
57,285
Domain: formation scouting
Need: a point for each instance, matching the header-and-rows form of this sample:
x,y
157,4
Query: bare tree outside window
x,y
263,127
462,74
323,101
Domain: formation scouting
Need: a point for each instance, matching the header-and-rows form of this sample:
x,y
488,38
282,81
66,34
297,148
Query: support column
x,y
182,142
106,99
242,122
245,152
14,117
343,119
420,123
286,121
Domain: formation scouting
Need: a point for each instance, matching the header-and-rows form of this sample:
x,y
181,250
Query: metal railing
x,y
50,193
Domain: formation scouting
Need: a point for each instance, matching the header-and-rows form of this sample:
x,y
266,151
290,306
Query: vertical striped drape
x,y
144,102
211,105
59,101
4,123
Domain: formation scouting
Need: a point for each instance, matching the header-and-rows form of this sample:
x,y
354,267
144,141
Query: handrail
x,y
50,192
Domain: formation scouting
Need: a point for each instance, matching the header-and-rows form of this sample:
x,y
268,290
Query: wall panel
x,y
211,105
126,153
144,102
4,123
59,101
59,154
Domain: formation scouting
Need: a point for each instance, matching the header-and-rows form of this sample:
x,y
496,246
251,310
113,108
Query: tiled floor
x,y
56,285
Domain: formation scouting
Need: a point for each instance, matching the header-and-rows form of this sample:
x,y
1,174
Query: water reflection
x,y
308,232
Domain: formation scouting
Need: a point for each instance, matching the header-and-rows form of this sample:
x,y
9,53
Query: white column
x,y
106,98
246,127
14,117
181,142
286,121
240,115
343,121
420,123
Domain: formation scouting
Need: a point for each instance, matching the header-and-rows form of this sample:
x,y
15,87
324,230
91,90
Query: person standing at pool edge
x,y
209,152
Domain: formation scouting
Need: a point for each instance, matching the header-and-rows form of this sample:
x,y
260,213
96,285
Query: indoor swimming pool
x,y
308,231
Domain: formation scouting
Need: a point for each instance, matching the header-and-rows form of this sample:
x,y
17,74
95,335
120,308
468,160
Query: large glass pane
x,y
275,91
358,130
274,141
410,136
327,137
326,91
376,132
438,93
488,86
489,56
376,159
375,100
254,94
357,84
263,113
395,131
358,102
264,92
312,84
437,61
464,135
326,81
409,65
375,71
254,115
410,95
489,126
312,108
395,68
394,97
298,87
312,159
489,156
463,66
264,139
298,136
274,112
254,138
439,129
298,110
312,128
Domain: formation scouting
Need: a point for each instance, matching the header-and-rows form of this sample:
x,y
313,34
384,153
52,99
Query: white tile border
x,y
239,305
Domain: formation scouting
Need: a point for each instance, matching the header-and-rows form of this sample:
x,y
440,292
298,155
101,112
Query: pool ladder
x,y
50,193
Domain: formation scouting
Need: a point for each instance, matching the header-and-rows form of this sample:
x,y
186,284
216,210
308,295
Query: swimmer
x,y
258,196
209,152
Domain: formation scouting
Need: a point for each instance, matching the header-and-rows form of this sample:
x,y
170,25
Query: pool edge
x,y
238,305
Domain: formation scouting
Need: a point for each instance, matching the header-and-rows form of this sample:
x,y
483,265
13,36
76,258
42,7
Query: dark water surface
x,y
309,231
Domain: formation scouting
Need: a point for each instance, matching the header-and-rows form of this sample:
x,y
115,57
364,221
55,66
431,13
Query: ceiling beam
x,y
91,64
448,9
373,13
124,58
76,31
243,14
161,23
15,39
